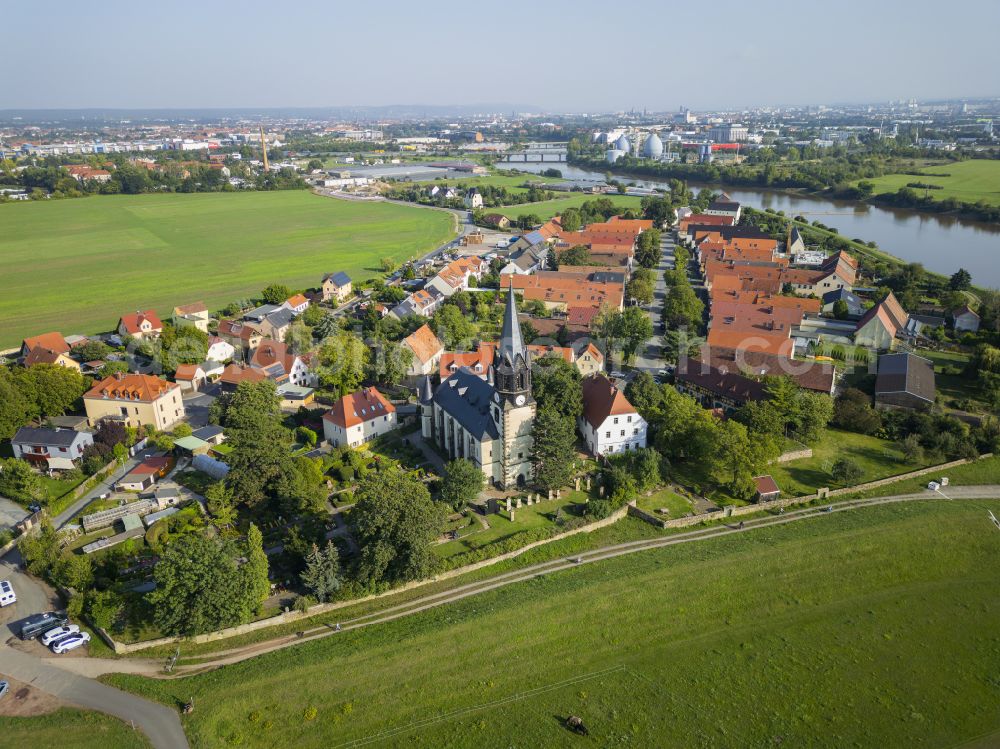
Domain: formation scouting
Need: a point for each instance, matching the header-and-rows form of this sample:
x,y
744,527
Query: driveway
x,y
105,486
11,513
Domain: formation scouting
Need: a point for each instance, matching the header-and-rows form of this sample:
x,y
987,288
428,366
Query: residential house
x,y
904,381
358,418
473,199
50,449
965,319
296,304
83,173
235,373
192,315
190,377
427,351
337,287
241,336
839,271
294,368
271,320
795,244
496,220
730,208
855,304
477,361
140,325
609,423
456,275
878,327
219,350
135,400
809,374
590,360
442,191
560,293
49,341
422,303
715,388
42,355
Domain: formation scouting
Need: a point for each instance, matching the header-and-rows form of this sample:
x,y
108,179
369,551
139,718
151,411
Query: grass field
x,y
969,181
549,208
77,265
69,728
877,458
871,628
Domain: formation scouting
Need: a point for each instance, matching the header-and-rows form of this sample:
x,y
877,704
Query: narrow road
x,y
235,655
650,357
160,723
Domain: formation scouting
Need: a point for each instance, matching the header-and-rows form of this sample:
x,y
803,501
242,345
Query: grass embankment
x,y
977,473
867,628
69,728
546,209
77,265
967,181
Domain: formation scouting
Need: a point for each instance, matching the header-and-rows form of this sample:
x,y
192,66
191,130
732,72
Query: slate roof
x,y
45,436
259,313
467,398
338,279
905,373
855,306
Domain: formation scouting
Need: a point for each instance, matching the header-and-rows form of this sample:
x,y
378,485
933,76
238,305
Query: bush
x,y
310,713
846,471
302,603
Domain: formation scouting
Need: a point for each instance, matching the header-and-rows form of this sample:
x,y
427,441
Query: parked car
x,y
57,633
39,623
4,687
70,642
7,594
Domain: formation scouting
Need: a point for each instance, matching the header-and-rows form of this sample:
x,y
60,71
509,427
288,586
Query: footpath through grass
x,y
73,729
875,627
77,265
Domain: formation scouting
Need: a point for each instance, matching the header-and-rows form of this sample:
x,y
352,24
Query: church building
x,y
487,421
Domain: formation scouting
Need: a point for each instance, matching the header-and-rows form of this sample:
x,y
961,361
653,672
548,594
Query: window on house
x,y
616,420
629,419
607,435
623,433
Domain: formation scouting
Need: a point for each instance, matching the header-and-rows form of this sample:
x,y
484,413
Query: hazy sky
x,y
561,55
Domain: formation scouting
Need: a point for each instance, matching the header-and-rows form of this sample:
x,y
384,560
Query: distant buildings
x,y
729,133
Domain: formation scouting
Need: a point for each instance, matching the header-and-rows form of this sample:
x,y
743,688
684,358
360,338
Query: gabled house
x,y
193,315
358,418
241,336
271,354
477,361
716,388
496,220
473,199
427,351
590,360
296,304
855,305
336,287
965,319
456,275
50,449
904,381
878,327
42,355
145,474
140,325
609,423
50,341
190,376
235,373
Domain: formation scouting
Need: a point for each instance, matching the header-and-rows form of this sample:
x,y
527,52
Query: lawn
x,y
977,473
867,628
549,208
77,265
877,458
677,505
968,181
69,728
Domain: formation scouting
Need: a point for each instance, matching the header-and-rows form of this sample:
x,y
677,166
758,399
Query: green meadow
x,y
69,727
549,208
968,181
868,628
76,265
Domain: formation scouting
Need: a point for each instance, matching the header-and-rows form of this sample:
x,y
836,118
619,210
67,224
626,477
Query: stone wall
x,y
805,452
322,608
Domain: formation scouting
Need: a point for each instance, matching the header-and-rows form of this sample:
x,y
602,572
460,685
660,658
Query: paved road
x,y
650,357
161,724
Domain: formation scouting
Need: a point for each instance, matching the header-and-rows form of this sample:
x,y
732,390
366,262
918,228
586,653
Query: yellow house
x,y
135,400
40,355
336,287
590,361
192,315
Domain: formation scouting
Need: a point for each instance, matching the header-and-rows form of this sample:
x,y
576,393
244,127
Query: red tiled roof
x,y
364,405
133,321
601,399
296,300
51,341
478,361
234,374
140,387
424,344
765,485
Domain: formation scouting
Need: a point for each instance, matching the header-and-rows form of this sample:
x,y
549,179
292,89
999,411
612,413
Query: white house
x,y
427,351
965,319
609,424
296,304
358,418
473,199
219,350
52,449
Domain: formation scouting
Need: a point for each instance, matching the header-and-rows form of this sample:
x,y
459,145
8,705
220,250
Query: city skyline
x,y
645,57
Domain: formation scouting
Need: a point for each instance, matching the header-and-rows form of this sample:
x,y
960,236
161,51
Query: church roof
x,y
511,340
467,398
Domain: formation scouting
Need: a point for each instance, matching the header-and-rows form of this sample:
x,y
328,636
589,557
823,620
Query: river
x,y
943,244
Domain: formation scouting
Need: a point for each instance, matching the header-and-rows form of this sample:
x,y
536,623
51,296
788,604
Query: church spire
x,y
511,341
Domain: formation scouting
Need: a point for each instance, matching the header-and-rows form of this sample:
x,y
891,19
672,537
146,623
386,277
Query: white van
x,y
7,595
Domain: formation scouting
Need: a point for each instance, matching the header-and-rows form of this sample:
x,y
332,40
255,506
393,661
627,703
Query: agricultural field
x,y
968,181
872,628
549,208
76,265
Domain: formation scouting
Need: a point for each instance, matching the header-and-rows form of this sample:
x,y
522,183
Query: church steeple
x,y
511,363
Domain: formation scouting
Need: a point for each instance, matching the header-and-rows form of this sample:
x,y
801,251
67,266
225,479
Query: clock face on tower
x,y
519,400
